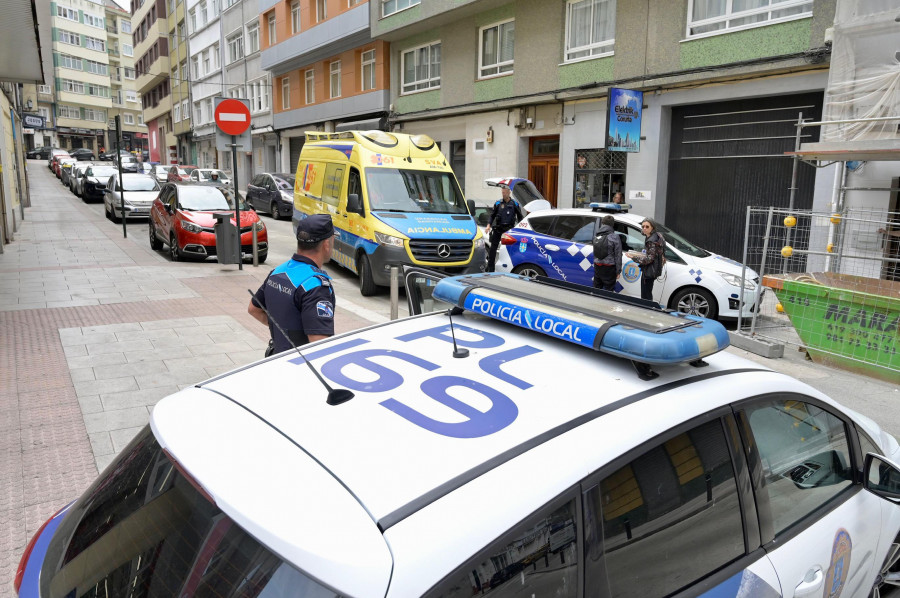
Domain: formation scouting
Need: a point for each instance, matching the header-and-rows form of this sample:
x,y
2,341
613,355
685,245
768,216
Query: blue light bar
x,y
610,207
590,319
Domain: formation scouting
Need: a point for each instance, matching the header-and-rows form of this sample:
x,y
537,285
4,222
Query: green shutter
x,y
81,16
55,58
54,35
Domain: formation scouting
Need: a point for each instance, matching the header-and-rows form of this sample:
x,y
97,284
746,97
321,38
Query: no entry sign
x,y
232,116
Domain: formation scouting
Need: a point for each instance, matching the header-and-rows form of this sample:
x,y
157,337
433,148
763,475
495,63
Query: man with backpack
x,y
607,255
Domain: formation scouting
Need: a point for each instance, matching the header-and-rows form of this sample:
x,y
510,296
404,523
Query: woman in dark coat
x,y
652,260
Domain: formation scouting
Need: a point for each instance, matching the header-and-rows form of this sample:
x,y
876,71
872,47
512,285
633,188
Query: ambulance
x,y
393,199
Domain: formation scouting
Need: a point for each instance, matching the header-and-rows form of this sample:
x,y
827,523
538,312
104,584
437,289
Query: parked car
x,y
559,244
129,163
83,153
66,171
93,183
161,172
140,191
62,166
77,173
183,217
180,172
54,155
429,471
111,154
205,175
272,192
38,153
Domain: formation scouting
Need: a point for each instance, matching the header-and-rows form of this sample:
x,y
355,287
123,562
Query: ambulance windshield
x,y
401,190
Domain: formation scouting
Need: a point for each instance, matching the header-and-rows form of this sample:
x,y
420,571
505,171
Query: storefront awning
x,y
21,59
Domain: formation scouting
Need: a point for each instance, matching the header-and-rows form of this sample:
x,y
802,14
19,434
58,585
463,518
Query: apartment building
x,y
328,73
180,81
151,49
207,82
522,88
126,102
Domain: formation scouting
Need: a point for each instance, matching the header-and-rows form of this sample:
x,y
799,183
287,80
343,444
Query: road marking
x,y
232,116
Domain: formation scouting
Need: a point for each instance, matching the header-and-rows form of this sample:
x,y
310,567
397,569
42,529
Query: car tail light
x,y
507,239
20,572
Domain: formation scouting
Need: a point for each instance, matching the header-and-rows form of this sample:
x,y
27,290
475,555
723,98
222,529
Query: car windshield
x,y
524,192
206,199
398,190
285,183
206,174
143,529
140,183
680,243
102,172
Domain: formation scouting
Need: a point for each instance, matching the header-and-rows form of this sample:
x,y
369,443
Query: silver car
x,y
205,175
75,173
140,191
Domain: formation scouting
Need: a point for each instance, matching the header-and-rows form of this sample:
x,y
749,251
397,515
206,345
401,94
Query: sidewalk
x,y
94,330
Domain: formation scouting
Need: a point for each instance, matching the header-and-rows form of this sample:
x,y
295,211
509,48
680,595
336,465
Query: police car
x,y
558,244
510,445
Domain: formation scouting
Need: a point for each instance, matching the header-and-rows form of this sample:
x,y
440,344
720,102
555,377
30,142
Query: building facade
x,y
522,89
126,102
328,73
207,82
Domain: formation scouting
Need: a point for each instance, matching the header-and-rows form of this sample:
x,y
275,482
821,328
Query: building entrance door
x,y
543,165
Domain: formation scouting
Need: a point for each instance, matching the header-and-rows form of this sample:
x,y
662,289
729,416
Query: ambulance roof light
x,y
423,142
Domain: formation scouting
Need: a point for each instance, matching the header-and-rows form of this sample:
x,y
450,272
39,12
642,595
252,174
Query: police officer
x,y
505,215
298,294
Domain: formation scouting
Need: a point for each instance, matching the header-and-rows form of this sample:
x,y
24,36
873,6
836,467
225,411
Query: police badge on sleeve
x,y
325,309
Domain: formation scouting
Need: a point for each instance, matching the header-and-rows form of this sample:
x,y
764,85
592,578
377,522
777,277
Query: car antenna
x,y
336,396
457,352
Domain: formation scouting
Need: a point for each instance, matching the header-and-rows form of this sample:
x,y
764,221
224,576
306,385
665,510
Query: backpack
x,y
601,246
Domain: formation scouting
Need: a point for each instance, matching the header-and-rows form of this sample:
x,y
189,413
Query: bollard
x,y
395,291
255,249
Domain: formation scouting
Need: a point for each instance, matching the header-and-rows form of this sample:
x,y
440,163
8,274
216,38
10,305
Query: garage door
x,y
296,146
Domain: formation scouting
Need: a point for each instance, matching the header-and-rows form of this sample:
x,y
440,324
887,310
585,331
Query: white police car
x,y
557,243
523,448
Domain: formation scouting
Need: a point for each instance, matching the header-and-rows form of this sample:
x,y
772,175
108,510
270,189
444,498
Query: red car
x,y
183,217
179,172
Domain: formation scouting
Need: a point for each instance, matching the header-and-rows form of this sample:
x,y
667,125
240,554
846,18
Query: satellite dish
x,y
538,205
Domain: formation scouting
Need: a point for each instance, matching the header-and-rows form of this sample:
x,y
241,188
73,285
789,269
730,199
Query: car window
x,y
334,183
634,240
287,183
666,519
574,228
539,557
804,454
541,224
867,444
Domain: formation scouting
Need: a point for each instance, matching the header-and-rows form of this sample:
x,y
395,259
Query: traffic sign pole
x,y
233,118
237,200
120,181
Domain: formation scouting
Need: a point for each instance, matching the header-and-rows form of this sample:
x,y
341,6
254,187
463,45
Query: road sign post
x,y
233,119
119,180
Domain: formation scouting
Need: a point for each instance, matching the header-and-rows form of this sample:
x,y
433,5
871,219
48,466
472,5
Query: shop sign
x,y
28,131
33,121
623,128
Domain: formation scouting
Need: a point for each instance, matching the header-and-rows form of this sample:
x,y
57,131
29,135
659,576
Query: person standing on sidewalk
x,y
505,215
652,260
607,255
298,294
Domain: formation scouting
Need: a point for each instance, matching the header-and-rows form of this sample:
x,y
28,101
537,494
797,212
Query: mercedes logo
x,y
443,250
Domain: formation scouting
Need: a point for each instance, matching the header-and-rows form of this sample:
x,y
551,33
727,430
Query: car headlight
x,y
383,239
287,196
190,227
258,226
479,243
735,281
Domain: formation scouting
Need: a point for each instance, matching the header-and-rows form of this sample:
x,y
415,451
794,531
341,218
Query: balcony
x,y
161,109
112,30
154,32
154,75
423,17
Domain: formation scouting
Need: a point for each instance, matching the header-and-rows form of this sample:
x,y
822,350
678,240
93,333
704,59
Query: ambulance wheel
x,y
695,301
367,286
889,576
155,244
529,270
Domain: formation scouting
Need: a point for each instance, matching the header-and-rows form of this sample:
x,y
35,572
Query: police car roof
x,y
425,438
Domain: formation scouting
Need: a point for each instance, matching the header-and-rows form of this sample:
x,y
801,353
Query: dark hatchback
x,y
272,192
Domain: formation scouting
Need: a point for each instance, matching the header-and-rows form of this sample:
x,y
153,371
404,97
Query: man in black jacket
x,y
607,269
505,215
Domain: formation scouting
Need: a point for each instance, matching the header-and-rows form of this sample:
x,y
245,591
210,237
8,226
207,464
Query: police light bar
x,y
610,207
625,327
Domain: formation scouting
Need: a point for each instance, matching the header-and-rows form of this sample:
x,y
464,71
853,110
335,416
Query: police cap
x,y
317,227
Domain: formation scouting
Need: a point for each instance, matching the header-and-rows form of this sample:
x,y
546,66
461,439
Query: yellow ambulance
x,y
393,200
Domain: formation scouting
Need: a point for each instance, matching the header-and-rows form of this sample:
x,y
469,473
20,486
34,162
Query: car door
x,y
271,193
253,191
573,249
167,216
819,526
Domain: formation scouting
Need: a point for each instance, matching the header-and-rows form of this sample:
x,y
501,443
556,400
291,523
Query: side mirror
x,y
353,203
882,477
470,203
168,207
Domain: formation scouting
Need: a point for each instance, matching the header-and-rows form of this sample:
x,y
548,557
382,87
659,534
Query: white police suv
x,y
513,445
558,244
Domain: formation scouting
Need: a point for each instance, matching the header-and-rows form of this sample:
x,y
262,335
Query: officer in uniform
x,y
298,294
505,215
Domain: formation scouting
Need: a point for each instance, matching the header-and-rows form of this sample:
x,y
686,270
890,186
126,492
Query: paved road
x,y
96,328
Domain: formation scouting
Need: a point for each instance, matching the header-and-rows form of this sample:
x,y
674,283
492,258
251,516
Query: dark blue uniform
x,y
299,296
504,216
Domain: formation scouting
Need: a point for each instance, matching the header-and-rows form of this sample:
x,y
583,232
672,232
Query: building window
x,y
69,62
185,111
140,119
321,10
215,56
210,112
198,113
335,80
204,55
590,28
195,66
389,7
73,39
368,70
422,68
97,90
68,112
44,89
98,68
253,37
351,3
65,12
93,21
92,43
125,26
708,16
184,71
264,93
235,47
131,96
213,9
129,73
72,86
496,49
127,50
193,17
230,3
272,38
295,16
201,13
310,76
129,119
285,93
